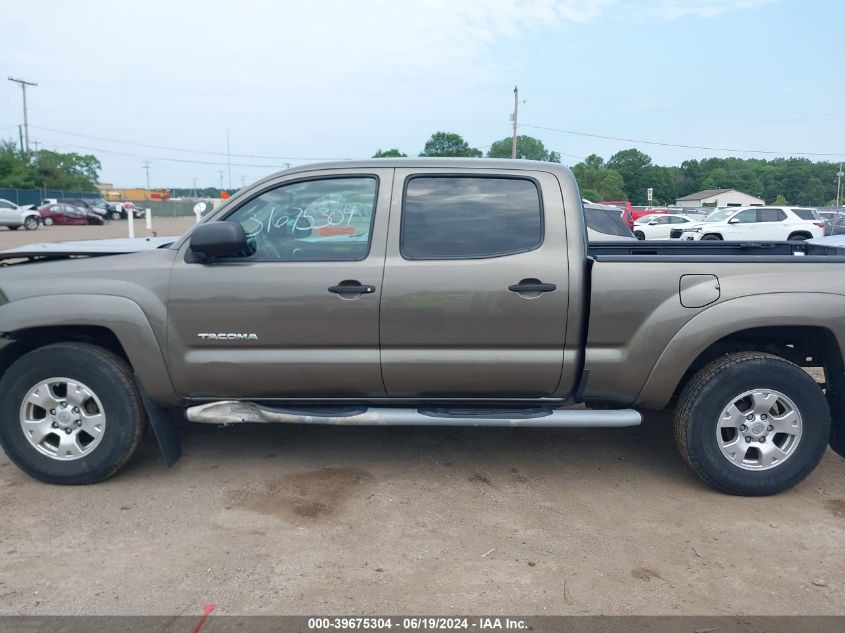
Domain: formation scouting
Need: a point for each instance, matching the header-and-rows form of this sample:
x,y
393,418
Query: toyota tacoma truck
x,y
422,292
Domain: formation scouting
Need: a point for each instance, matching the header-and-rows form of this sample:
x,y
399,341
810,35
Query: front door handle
x,y
352,287
532,285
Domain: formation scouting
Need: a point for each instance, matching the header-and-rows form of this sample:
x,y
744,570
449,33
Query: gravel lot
x,y
281,520
162,226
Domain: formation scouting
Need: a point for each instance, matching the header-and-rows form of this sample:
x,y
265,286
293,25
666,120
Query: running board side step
x,y
237,412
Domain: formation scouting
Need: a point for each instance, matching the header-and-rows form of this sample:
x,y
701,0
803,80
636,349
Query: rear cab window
x,y
468,217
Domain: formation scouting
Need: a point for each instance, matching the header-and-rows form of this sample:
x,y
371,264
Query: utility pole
x,y
147,168
513,118
221,180
20,134
228,159
23,84
839,185
195,188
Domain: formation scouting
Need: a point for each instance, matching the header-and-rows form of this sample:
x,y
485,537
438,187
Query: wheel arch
x,y
805,234
114,323
809,332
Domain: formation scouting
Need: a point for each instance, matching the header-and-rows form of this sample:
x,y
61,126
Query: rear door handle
x,y
532,285
352,287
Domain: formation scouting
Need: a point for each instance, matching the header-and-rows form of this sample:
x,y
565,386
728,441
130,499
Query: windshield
x,y
718,216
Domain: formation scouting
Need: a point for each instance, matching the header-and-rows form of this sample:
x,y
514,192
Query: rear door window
x,y
770,215
460,217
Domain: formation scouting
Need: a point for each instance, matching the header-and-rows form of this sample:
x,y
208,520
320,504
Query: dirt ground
x,y
281,520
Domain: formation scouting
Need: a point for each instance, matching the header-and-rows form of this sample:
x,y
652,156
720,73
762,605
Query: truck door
x,y
299,317
475,292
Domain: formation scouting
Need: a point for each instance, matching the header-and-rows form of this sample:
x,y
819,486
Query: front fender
x,y
732,316
122,316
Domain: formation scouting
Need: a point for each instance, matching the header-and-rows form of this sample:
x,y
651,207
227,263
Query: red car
x,y
62,213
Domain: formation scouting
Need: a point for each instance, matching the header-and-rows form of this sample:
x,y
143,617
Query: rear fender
x,y
729,317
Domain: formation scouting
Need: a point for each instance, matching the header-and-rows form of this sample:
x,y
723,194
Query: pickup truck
x,y
422,292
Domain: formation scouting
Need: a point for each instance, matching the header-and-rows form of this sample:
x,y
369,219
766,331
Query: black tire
x,y
49,221
639,235
798,237
710,390
108,376
115,215
712,236
31,223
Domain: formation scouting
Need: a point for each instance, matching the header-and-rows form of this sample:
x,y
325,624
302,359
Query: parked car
x,y
107,209
640,211
658,226
87,205
129,207
15,216
755,223
422,292
627,215
63,213
604,224
833,221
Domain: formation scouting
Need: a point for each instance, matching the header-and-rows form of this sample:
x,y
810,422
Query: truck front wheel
x,y
752,424
70,413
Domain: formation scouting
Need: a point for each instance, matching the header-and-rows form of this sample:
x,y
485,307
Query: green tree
x,y
449,144
597,182
389,153
32,170
780,201
527,147
635,168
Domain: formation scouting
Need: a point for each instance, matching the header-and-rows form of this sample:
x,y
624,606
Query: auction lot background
x,y
286,520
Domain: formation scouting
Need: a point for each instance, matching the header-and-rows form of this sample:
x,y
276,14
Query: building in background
x,y
719,198
137,195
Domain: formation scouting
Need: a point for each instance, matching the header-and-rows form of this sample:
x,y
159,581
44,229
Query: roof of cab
x,y
421,162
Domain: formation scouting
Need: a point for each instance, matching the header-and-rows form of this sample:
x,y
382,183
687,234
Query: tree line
x,y
627,174
47,169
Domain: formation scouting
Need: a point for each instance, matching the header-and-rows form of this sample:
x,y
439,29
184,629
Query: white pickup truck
x,y
755,223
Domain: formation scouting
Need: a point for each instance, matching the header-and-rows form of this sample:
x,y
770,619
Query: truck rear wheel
x,y
752,424
70,413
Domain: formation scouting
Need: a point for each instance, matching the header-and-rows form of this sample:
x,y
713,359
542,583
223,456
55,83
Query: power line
x,y
182,149
159,158
681,145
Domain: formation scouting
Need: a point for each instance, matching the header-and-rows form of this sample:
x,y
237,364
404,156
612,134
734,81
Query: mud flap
x,y
837,422
167,435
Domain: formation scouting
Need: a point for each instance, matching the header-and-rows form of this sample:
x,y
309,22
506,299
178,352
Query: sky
x,y
296,82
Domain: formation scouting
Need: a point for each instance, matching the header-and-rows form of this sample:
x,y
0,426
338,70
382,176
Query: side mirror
x,y
733,221
218,239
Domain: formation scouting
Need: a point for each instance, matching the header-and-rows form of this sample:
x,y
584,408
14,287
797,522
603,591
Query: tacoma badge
x,y
228,336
